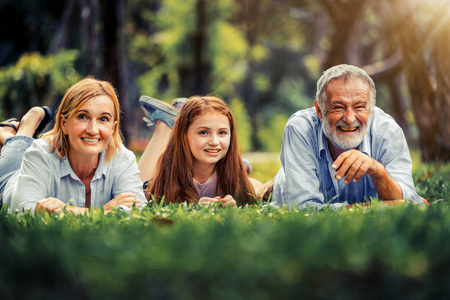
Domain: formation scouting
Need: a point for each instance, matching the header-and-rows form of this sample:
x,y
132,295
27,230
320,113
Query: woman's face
x,y
209,138
90,129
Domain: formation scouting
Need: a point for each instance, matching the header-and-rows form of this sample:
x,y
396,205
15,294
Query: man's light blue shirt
x,y
307,178
43,174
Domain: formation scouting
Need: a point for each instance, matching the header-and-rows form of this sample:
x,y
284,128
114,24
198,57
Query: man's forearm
x,y
387,188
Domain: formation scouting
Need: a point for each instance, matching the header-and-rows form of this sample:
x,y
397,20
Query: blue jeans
x,y
11,159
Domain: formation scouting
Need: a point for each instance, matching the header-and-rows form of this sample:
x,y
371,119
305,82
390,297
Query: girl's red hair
x,y
174,177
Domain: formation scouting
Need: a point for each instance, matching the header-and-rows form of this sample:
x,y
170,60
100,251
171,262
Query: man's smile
x,y
348,129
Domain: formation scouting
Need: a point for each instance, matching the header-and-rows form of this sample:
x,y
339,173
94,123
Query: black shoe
x,y
9,124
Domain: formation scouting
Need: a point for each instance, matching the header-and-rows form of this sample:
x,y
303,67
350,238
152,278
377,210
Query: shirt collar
x,y
364,147
323,141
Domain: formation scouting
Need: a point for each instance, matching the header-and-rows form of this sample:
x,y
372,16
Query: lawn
x,y
187,252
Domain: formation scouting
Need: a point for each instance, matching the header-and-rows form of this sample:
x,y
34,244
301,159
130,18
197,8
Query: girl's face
x,y
209,138
90,129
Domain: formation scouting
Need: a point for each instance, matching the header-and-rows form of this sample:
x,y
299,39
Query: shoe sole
x,y
158,104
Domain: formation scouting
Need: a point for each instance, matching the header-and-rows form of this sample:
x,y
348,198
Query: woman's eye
x,y
203,132
82,117
223,132
104,119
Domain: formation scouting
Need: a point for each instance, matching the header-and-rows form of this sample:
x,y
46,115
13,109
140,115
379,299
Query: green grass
x,y
258,252
182,252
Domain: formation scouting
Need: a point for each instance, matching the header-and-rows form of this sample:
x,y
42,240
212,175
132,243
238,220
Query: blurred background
x,y
263,57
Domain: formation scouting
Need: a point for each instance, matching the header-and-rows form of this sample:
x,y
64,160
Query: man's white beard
x,y
341,141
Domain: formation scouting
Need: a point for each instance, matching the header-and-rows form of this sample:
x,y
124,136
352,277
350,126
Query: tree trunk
x,y
422,92
201,69
249,18
344,15
88,36
60,38
441,57
113,53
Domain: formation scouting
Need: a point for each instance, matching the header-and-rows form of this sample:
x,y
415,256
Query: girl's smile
x,y
209,139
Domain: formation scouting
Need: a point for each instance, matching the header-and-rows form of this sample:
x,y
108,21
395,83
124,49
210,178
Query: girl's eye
x,y
223,132
203,132
82,117
104,119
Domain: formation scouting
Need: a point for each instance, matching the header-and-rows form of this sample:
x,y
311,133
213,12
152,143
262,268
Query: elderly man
x,y
344,150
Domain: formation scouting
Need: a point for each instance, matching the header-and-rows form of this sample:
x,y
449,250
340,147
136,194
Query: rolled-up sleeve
x,y
395,156
33,181
126,174
300,167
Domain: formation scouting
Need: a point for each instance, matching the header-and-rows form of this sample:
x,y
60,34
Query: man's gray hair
x,y
345,72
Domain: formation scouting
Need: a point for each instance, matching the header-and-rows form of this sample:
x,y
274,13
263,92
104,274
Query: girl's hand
x,y
228,201
127,199
225,201
49,205
208,201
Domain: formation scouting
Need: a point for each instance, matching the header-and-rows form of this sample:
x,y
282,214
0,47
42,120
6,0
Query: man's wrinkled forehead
x,y
345,81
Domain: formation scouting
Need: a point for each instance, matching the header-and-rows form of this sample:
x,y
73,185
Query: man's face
x,y
347,112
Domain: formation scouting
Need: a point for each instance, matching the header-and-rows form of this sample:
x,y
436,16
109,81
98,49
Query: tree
x,y
344,15
114,69
430,101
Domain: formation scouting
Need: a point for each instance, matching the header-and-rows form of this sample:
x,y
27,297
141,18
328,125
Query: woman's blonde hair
x,y
75,97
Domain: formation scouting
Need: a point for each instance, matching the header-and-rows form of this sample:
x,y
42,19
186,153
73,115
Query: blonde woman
x,y
80,164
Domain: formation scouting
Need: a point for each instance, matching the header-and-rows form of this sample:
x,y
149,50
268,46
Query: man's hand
x,y
355,163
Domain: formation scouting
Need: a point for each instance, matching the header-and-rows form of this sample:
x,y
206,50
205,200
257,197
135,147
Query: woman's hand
x,y
49,205
127,199
225,201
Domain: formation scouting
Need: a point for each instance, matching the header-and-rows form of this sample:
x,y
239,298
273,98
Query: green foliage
x,y
243,125
266,171
168,54
432,181
255,252
183,252
271,132
36,79
227,49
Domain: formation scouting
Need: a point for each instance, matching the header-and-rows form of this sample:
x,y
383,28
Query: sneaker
x,y
158,110
179,102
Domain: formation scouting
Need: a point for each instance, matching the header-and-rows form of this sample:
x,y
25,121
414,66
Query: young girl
x,y
201,162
